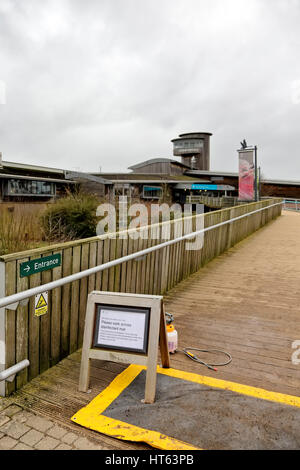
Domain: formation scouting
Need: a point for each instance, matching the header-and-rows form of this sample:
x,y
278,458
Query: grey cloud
x,y
110,83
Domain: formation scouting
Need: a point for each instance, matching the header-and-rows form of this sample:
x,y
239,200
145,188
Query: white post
x,y
2,328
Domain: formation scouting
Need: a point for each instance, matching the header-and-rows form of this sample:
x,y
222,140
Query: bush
x,y
71,218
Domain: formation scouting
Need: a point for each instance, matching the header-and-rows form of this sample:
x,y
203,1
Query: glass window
x,y
39,187
34,187
152,192
30,188
46,189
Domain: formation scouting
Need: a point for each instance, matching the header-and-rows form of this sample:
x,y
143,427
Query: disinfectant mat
x,y
193,412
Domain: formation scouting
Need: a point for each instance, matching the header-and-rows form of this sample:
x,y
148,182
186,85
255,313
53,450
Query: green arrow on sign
x,y
41,264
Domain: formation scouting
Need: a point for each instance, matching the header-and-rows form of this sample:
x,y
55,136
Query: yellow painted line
x,y
129,432
234,387
120,383
91,415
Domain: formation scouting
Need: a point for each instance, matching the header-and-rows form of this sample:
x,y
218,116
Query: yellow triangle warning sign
x,y
41,302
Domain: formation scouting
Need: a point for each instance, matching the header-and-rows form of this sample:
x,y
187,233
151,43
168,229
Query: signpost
x,y
256,174
126,328
41,264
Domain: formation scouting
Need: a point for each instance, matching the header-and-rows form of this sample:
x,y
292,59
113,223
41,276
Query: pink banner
x,y
246,175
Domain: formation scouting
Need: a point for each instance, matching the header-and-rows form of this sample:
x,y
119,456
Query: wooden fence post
x,y
230,230
165,255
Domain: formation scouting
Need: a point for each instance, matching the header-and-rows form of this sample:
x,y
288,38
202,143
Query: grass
x,y
24,226
20,228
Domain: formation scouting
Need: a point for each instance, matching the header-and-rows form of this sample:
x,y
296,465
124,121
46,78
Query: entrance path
x,y
246,302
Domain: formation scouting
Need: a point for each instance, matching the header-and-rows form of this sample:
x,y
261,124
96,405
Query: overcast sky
x,y
86,84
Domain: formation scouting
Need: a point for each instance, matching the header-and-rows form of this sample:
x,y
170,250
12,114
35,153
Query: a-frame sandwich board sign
x,y
125,328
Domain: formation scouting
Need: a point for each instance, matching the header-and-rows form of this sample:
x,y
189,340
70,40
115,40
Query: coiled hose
x,y
192,356
188,353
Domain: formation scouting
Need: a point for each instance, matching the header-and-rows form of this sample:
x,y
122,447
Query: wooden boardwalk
x,y
246,302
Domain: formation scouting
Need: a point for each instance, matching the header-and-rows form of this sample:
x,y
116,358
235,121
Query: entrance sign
x,y
122,328
41,264
125,328
41,304
246,174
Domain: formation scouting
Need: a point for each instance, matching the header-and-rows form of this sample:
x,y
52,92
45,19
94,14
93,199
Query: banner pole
x,y
256,192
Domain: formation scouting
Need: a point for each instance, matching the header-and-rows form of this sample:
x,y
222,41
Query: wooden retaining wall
x,y
46,340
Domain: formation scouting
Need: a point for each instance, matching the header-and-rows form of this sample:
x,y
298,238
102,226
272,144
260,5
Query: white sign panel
x,y
122,328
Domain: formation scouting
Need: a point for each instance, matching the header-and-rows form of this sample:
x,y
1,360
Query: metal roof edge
x,y
26,166
35,178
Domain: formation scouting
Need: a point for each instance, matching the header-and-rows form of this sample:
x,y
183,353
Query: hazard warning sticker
x,y
41,304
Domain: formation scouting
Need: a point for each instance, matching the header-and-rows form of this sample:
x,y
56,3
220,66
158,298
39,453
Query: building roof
x,y
35,178
25,166
23,171
187,134
157,160
236,175
78,175
210,173
283,182
148,178
192,136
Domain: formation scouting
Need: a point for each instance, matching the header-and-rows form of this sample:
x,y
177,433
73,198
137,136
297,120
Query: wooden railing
x,y
46,340
213,202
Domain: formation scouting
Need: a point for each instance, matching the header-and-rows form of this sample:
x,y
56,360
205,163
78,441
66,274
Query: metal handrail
x,y
15,298
296,202
9,374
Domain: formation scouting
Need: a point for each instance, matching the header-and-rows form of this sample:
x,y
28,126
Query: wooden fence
x,y
214,202
46,340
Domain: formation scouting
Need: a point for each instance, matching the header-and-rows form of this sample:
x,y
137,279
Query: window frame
x,y
144,196
35,188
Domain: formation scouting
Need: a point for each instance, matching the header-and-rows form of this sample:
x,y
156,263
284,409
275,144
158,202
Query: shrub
x,y
70,218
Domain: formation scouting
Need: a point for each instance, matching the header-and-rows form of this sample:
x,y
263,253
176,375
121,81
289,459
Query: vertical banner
x,y
246,174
